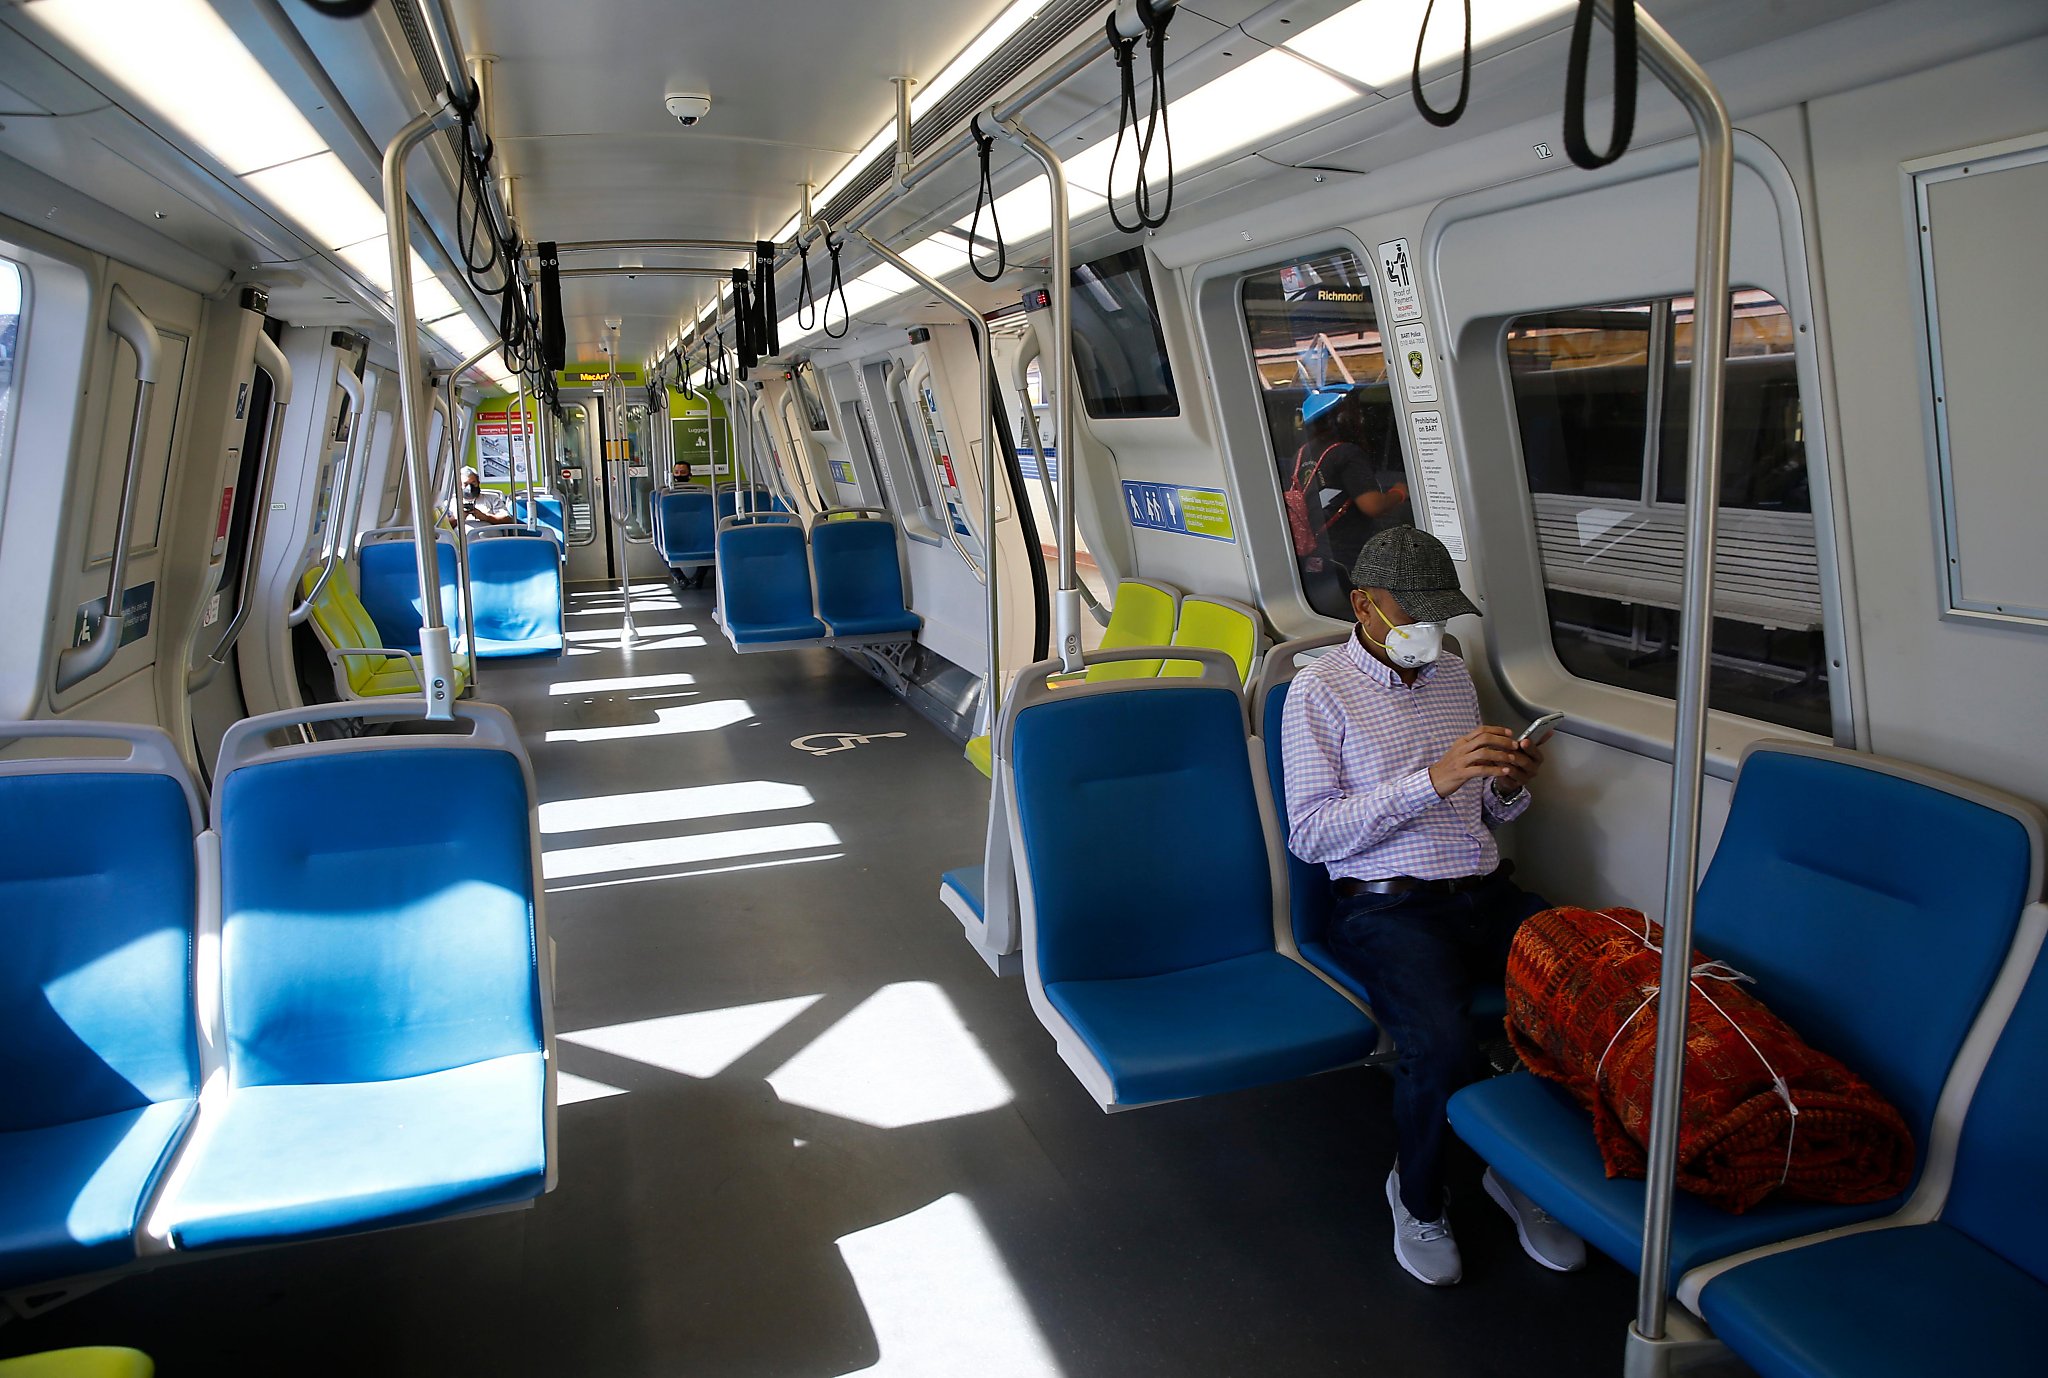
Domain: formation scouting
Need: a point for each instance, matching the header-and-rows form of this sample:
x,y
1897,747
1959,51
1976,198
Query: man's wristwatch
x,y
1506,796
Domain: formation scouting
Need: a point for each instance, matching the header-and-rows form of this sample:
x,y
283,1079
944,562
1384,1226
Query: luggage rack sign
x,y
1184,511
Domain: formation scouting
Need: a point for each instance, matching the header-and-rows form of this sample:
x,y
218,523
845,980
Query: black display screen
x,y
1119,349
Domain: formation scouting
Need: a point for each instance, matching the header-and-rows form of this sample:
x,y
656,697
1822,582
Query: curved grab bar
x,y
1029,349
77,663
271,360
337,493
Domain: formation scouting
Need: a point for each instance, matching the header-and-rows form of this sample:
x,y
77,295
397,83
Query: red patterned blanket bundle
x,y
1762,1111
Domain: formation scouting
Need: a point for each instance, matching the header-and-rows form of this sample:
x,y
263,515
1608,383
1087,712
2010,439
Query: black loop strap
x,y
837,284
724,371
1158,123
764,283
342,9
1442,119
806,298
985,195
1624,127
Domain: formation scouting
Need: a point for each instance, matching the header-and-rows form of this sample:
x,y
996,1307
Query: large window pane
x,y
1592,386
572,473
1314,332
10,335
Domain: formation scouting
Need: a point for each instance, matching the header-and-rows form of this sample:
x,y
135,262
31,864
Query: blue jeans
x,y
1420,955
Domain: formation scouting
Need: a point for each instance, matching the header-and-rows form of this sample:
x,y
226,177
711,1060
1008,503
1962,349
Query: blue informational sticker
x,y
1185,511
137,603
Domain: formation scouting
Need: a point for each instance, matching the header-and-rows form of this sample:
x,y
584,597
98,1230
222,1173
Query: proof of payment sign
x,y
1203,512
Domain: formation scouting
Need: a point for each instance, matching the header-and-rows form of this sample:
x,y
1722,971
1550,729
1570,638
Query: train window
x,y
1602,403
1315,340
572,473
11,284
1119,349
639,483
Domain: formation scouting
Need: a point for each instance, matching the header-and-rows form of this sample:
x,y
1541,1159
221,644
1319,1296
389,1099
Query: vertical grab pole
x,y
1690,83
524,437
437,655
457,444
615,445
985,367
131,323
1067,603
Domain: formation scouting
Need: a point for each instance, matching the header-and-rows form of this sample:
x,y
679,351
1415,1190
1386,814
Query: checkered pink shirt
x,y
1357,744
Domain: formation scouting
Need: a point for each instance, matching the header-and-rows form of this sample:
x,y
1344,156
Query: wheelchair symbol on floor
x,y
841,741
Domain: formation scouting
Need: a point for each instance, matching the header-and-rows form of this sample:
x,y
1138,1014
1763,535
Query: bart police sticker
x,y
1412,344
1404,303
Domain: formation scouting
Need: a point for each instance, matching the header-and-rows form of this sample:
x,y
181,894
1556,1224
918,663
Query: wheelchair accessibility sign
x,y
1184,511
827,743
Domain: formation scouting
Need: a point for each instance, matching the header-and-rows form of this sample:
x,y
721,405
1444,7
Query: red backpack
x,y
1308,537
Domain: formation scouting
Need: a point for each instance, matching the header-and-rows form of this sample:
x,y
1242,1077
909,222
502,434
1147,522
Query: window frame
x,y
1469,321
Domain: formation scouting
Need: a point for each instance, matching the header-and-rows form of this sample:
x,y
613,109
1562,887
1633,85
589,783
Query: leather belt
x,y
1401,885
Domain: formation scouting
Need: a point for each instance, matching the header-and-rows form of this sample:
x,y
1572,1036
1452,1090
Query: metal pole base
x,y
1067,623
437,660
1687,1348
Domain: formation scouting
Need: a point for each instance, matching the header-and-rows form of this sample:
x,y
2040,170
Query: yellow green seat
x,y
1142,615
97,1361
1215,624
362,668
982,754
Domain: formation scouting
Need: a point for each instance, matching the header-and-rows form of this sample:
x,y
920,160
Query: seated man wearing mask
x,y
479,505
1395,786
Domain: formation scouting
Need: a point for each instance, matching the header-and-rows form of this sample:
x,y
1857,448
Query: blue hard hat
x,y
1320,401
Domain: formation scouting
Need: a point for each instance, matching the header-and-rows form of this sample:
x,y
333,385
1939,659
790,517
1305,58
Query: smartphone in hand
x,y
1538,732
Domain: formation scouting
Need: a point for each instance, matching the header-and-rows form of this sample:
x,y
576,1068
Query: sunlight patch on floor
x,y
693,717
602,634
671,805
700,1044
901,1057
702,871
571,1089
942,1302
620,683
680,851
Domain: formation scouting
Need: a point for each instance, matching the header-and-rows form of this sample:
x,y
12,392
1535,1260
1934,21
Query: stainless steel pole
x,y
1067,602
985,371
437,655
1690,83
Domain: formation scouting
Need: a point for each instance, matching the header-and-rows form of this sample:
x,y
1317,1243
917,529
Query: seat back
x,y
1308,884
764,575
728,503
343,623
1143,614
378,902
1999,1196
516,586
1873,902
688,516
1219,625
858,570
1142,847
98,914
388,585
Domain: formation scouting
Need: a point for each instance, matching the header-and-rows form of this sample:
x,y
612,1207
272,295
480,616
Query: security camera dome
x,y
688,107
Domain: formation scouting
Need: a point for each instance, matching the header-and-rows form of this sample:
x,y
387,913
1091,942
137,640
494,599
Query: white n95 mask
x,y
1413,645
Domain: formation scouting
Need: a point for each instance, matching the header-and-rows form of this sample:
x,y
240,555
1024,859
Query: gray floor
x,y
862,1155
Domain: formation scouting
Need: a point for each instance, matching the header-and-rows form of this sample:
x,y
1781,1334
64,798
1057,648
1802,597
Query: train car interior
x,y
983,689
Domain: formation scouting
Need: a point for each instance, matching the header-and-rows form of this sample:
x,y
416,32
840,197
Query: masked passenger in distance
x,y
479,505
1395,787
1347,489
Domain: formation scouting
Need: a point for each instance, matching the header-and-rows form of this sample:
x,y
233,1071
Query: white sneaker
x,y
1543,1239
1425,1248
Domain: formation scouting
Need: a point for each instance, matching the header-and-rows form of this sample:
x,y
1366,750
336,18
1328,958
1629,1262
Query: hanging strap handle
x,y
1624,127
985,195
1445,118
806,296
764,281
837,284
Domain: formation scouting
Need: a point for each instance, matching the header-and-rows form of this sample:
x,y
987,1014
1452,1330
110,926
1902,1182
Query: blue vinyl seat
x,y
764,585
1963,1293
515,583
99,1063
960,891
1873,955
1153,965
685,527
550,510
385,1017
1308,884
860,581
388,584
